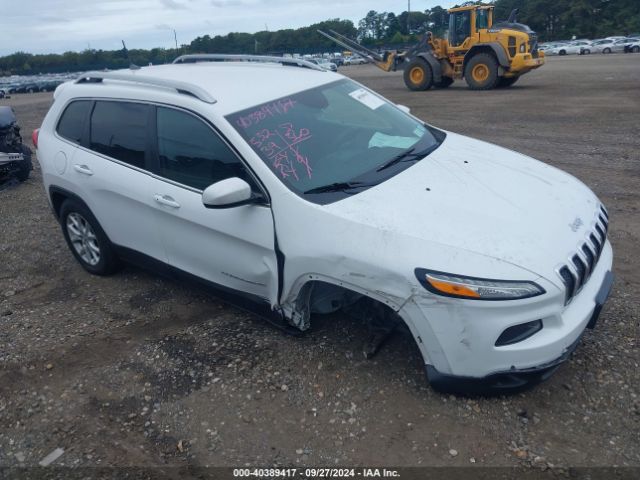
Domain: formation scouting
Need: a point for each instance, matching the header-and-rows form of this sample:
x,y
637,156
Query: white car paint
x,y
566,49
470,208
602,46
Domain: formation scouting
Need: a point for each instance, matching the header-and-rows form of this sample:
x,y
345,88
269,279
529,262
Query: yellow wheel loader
x,y
486,54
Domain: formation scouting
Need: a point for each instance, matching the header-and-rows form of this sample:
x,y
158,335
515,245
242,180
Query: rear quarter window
x,y
73,120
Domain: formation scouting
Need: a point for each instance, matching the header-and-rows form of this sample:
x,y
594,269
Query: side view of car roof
x,y
230,85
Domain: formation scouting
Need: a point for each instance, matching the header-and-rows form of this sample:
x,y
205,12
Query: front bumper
x,y
515,380
457,338
524,62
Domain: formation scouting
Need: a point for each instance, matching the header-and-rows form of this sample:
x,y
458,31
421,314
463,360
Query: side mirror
x,y
404,108
228,193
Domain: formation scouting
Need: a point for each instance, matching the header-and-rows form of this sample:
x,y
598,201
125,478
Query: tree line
x,y
552,19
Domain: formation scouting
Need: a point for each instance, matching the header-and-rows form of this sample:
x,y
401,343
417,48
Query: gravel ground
x,y
135,370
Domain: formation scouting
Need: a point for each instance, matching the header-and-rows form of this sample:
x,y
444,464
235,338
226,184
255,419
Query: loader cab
x,y
465,22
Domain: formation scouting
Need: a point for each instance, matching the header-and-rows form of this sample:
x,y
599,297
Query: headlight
x,y
473,288
523,47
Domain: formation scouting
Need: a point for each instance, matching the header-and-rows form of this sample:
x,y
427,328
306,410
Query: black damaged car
x,y
15,157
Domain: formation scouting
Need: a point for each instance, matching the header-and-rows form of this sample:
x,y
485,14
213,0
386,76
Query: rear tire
x,y
444,82
586,51
562,52
86,239
418,75
606,50
504,82
481,72
635,49
25,166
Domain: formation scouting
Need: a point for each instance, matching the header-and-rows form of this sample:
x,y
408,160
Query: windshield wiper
x,y
338,187
407,155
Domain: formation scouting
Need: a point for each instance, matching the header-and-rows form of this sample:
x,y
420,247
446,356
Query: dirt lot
x,y
136,370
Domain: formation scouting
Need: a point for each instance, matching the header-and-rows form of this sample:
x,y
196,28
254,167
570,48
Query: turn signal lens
x,y
452,288
474,288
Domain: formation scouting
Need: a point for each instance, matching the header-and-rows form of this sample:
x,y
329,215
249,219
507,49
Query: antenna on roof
x,y
132,66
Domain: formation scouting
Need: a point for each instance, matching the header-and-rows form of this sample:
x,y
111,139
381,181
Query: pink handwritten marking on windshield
x,y
279,107
277,144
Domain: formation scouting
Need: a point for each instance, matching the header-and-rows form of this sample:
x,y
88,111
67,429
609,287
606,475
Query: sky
x,y
56,26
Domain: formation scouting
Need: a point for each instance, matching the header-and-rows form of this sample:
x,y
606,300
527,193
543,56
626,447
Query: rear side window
x,y
119,130
73,120
191,153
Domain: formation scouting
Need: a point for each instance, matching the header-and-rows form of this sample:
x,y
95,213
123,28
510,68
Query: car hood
x,y
485,199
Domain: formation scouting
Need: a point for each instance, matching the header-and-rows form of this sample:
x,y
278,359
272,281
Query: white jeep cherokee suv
x,y
299,191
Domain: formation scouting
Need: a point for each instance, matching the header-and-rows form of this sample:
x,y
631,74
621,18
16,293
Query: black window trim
x,y
151,157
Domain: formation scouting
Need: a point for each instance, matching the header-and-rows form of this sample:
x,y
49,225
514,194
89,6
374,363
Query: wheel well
x,y
322,297
57,198
476,50
59,195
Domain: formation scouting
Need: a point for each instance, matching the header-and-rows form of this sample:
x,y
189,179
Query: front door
x,y
231,247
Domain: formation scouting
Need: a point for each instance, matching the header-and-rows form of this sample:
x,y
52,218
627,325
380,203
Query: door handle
x,y
83,169
166,200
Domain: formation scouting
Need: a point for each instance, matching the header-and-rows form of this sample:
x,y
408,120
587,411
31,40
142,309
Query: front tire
x,y
606,50
418,75
635,49
25,166
86,239
481,72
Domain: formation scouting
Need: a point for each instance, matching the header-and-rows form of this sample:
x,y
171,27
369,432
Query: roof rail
x,y
220,57
133,77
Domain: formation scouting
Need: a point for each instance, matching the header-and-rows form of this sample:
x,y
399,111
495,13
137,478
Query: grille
x,y
533,44
576,272
512,46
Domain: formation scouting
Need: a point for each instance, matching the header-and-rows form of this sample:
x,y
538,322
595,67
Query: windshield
x,y
323,142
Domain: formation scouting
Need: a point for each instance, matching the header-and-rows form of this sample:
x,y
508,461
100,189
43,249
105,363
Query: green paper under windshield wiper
x,y
410,154
338,187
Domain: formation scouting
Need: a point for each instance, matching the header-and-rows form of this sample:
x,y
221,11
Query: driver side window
x,y
191,153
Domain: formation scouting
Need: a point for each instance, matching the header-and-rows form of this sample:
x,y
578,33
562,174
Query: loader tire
x,y
444,82
418,75
481,72
504,82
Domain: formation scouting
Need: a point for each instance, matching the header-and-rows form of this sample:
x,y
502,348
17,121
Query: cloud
x,y
173,5
71,25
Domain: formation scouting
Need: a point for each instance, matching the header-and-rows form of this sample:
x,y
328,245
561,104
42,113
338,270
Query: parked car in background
x,y
620,46
633,47
602,46
323,63
327,65
563,49
354,60
583,46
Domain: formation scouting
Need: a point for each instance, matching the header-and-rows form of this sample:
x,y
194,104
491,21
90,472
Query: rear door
x,y
111,168
231,247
